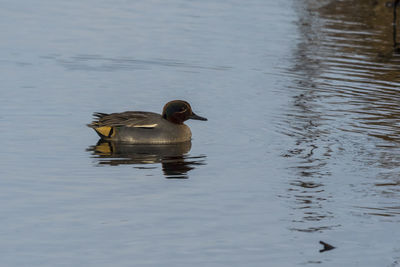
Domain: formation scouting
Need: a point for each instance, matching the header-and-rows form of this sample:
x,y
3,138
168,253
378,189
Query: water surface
x,y
301,143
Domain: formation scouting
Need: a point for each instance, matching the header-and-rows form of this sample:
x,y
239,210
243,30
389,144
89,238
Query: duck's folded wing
x,y
137,119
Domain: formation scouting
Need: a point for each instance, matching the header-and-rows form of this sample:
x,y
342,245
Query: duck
x,y
142,127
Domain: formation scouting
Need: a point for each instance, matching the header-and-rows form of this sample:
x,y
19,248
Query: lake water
x,y
301,144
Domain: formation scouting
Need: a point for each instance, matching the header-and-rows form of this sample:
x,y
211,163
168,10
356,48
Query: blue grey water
x,y
301,143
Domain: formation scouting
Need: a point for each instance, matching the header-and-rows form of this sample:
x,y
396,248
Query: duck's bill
x,y
197,117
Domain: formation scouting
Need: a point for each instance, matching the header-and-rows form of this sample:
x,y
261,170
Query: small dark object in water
x,y
326,246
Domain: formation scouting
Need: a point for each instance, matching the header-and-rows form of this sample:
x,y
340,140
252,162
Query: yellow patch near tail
x,y
107,131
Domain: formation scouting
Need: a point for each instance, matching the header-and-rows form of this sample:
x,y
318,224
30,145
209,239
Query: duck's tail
x,y
103,131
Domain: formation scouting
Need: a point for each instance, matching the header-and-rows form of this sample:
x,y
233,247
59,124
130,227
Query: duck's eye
x,y
182,109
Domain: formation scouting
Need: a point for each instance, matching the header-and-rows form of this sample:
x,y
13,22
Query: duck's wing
x,y
137,119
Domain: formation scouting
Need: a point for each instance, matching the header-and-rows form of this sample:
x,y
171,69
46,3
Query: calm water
x,y
302,142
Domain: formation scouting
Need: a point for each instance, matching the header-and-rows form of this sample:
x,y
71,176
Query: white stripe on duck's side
x,y
146,125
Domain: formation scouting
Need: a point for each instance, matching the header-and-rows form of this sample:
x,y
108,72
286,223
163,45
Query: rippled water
x,y
345,103
301,143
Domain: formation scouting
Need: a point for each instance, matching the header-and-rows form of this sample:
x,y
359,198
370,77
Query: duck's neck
x,y
176,119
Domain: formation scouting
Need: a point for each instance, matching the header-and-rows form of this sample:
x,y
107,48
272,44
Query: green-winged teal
x,y
139,127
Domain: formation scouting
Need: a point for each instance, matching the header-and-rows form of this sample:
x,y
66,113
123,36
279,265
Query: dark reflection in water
x,y
346,107
175,161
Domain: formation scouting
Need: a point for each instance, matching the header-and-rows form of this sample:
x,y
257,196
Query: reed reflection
x,y
175,161
345,95
361,78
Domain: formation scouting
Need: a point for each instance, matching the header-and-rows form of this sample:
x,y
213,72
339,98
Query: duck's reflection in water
x,y
174,158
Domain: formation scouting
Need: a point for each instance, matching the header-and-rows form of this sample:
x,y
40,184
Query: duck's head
x,y
178,111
